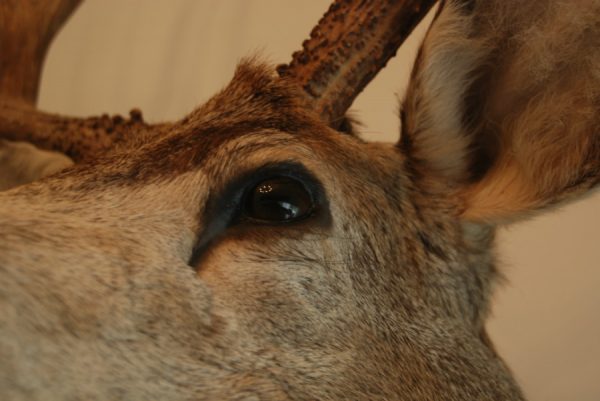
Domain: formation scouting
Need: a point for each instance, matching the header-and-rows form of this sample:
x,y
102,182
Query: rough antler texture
x,y
82,139
26,31
351,43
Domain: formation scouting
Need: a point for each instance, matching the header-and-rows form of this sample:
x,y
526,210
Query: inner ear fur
x,y
502,107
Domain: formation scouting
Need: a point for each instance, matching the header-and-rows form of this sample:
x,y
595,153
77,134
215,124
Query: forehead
x,y
258,118
255,103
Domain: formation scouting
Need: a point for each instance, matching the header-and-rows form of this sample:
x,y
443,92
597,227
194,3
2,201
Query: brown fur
x,y
506,102
132,288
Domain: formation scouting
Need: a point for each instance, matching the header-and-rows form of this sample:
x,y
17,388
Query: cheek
x,y
276,292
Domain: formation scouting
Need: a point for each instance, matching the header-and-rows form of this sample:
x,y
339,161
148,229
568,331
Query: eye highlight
x,y
278,200
272,195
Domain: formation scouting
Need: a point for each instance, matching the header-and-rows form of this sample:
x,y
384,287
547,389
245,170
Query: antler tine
x,y
351,43
26,30
82,139
348,47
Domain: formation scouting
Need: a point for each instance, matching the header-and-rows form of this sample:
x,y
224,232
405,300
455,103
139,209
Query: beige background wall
x,y
167,56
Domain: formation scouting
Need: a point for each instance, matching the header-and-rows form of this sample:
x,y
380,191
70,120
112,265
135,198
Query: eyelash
x,y
223,210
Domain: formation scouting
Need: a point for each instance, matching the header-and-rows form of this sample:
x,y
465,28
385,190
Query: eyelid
x,y
223,205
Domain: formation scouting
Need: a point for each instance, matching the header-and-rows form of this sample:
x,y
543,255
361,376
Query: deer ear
x,y
503,105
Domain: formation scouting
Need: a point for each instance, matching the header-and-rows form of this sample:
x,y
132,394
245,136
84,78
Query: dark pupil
x,y
278,200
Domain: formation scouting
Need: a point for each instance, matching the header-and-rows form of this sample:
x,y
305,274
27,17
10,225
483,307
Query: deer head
x,y
256,249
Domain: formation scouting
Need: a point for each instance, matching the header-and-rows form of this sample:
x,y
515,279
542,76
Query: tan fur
x,y
127,280
523,96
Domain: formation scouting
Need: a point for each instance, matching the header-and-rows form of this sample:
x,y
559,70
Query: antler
x,y
27,28
351,43
82,139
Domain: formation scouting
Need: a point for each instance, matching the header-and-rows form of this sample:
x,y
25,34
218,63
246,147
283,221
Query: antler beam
x,y
351,43
82,139
26,30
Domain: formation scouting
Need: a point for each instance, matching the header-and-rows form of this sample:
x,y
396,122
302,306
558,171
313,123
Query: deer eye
x,y
278,200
